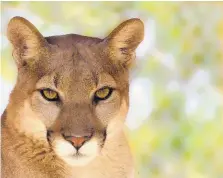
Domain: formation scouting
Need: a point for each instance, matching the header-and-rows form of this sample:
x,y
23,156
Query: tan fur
x,y
33,142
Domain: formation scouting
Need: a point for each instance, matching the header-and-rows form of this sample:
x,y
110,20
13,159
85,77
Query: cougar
x,y
66,113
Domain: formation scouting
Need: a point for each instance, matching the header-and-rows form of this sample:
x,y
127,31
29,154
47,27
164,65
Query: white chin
x,y
69,154
78,160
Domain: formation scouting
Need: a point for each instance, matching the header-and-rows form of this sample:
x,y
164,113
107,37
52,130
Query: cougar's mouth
x,y
77,151
48,135
103,133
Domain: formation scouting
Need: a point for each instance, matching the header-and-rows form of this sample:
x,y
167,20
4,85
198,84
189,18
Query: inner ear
x,y
125,38
27,41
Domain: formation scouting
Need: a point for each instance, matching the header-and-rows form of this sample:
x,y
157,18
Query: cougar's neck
x,y
31,151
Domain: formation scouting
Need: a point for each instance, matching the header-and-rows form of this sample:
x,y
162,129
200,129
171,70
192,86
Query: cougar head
x,y
71,89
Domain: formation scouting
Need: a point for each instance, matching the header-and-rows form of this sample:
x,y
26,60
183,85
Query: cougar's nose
x,y
77,141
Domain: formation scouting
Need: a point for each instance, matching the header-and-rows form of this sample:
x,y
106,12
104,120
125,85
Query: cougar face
x,y
72,89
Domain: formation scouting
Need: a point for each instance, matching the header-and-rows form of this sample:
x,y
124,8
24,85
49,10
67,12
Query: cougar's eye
x,y
49,94
103,93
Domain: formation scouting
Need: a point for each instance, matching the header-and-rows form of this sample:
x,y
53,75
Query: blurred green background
x,y
175,122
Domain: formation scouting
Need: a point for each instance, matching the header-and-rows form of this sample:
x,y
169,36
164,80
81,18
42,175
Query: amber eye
x,y
103,93
49,94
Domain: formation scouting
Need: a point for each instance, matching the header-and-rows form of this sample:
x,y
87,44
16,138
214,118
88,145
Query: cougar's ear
x,y
124,39
27,41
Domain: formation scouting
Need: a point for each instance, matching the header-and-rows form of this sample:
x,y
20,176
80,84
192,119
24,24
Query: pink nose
x,y
77,142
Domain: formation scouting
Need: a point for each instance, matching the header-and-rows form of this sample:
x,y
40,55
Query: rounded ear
x,y
125,38
27,41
